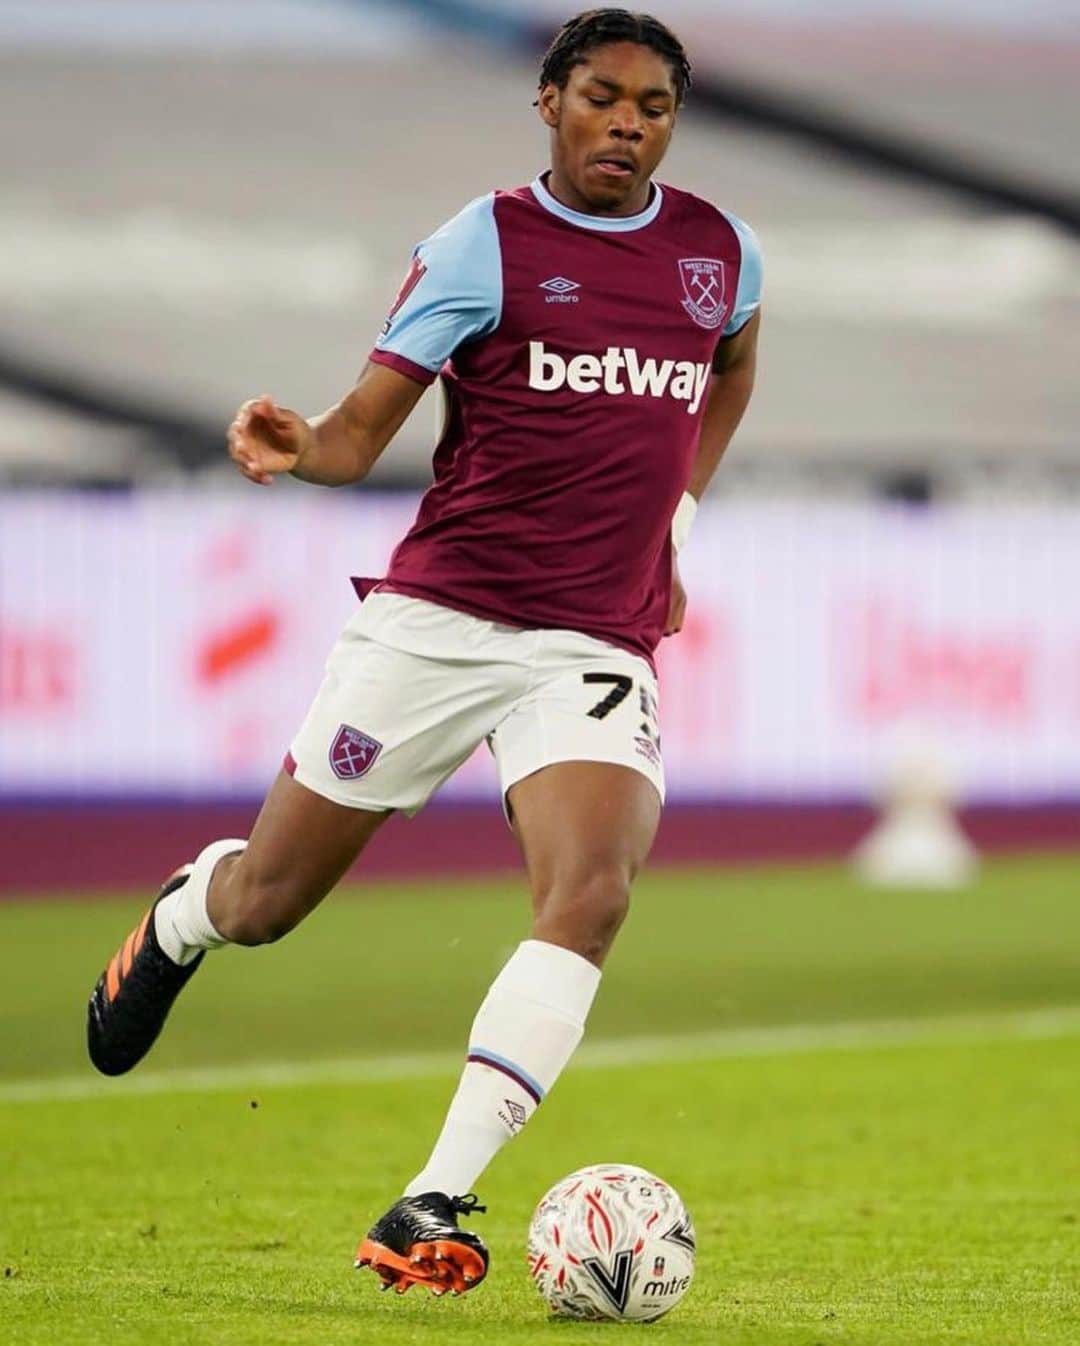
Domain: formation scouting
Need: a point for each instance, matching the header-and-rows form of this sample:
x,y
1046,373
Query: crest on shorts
x,y
703,286
352,754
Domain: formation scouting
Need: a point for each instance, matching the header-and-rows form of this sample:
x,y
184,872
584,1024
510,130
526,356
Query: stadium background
x,y
203,201
868,1097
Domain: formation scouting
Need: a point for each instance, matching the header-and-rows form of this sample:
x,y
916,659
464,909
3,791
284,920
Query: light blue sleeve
x,y
453,292
748,295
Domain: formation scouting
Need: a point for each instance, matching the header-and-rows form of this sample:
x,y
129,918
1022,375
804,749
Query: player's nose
x,y
626,124
627,131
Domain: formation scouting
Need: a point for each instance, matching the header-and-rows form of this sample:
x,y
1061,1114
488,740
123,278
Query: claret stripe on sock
x,y
485,1058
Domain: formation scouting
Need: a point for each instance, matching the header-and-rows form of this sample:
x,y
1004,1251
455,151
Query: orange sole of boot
x,y
441,1266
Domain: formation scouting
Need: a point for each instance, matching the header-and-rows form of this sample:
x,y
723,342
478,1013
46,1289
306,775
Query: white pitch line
x,y
778,1040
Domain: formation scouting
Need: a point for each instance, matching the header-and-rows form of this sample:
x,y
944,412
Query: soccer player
x,y
594,334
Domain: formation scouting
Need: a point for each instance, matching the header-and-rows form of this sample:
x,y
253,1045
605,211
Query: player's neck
x,y
564,191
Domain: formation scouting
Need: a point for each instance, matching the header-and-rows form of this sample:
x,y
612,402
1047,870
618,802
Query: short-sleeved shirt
x,y
575,352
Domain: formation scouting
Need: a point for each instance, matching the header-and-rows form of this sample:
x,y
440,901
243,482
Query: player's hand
x,y
265,439
677,607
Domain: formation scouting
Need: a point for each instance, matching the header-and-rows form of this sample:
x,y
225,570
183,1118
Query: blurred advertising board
x,y
168,644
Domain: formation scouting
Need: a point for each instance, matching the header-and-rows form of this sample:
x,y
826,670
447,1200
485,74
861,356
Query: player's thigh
x,y
388,724
579,822
588,702
585,829
580,767
386,728
300,846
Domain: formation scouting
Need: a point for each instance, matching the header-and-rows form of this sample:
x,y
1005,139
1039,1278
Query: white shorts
x,y
411,689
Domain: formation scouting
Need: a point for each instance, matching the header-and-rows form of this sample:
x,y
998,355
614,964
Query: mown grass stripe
x,y
773,1040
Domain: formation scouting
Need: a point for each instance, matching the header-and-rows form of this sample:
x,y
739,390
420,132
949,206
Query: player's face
x,y
610,127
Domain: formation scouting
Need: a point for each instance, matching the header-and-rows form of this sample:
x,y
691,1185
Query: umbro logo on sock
x,y
514,1117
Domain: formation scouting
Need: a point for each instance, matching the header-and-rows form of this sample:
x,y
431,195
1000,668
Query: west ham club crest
x,y
703,285
352,754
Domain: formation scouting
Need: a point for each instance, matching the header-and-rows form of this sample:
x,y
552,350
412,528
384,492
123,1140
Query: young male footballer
x,y
594,333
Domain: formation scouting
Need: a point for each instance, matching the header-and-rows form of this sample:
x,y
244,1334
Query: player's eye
x,y
654,112
600,102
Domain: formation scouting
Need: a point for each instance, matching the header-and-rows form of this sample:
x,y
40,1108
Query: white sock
x,y
181,921
532,1019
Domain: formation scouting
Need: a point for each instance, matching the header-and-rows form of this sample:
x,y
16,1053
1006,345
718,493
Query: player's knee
x,y
600,908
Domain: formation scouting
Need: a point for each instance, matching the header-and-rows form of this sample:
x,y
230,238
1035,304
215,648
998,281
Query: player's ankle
x,y
251,924
169,941
181,921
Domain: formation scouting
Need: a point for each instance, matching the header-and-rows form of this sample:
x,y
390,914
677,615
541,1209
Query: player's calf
x,y
582,913
252,910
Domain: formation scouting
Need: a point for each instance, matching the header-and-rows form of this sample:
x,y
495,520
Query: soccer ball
x,y
612,1241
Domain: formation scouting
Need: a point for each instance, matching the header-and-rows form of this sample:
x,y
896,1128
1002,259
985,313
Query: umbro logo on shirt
x,y
560,290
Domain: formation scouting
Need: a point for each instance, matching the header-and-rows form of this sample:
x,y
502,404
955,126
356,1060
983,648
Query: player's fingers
x,y
266,407
275,429
253,472
261,428
249,438
241,448
256,417
244,454
245,412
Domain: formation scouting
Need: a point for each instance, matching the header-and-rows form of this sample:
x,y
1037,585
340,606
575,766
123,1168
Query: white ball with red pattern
x,y
612,1241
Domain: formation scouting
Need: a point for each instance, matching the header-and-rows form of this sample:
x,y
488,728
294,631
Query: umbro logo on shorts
x,y
352,754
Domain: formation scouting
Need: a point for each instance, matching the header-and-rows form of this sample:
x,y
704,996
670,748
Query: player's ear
x,y
548,103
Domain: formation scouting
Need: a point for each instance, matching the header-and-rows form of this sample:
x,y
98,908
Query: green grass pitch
x,y
870,1101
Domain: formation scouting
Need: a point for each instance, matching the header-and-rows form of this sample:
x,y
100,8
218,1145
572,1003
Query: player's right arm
x,y
335,449
452,294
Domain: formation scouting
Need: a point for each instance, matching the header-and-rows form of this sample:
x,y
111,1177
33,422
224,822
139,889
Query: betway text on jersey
x,y
682,380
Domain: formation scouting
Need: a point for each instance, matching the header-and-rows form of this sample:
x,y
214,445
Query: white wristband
x,y
683,520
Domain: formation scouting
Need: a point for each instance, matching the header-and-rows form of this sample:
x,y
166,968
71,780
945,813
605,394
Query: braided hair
x,y
596,28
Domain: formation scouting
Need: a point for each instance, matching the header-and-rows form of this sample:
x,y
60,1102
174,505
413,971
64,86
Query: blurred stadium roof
x,y
209,200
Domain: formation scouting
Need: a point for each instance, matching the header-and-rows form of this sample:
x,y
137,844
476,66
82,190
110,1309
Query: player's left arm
x,y
733,369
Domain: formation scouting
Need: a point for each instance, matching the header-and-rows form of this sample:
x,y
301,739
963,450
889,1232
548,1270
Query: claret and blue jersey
x,y
576,352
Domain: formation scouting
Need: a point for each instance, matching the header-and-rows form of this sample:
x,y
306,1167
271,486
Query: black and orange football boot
x,y
134,994
418,1242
